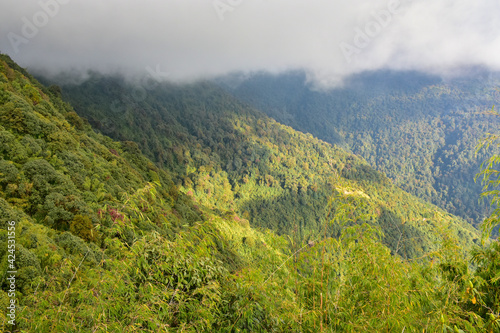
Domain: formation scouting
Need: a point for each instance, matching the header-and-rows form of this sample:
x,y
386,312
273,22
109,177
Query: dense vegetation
x,y
109,241
418,129
233,158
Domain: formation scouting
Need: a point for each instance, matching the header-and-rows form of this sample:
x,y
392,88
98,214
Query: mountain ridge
x,y
419,129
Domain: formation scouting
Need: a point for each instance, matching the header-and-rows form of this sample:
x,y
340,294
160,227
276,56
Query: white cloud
x,y
188,38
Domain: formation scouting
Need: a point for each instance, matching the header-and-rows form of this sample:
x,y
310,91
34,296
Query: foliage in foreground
x,y
223,276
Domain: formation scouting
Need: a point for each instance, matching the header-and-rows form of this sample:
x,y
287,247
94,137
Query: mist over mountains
x,y
198,39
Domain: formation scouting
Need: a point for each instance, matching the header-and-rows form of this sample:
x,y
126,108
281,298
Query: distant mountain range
x,y
420,130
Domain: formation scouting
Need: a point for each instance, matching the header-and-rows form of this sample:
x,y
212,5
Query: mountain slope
x,y
103,238
231,157
416,128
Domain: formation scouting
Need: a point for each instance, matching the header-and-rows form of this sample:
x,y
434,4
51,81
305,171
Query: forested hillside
x,y
109,240
419,130
233,158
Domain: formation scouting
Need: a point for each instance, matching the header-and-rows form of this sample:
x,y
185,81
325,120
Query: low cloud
x,y
192,39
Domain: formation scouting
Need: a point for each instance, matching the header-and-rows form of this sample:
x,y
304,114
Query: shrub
x,y
82,227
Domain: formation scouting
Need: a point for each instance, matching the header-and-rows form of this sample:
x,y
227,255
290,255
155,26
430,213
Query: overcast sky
x,y
192,39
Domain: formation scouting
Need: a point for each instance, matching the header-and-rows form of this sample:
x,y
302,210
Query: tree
x,y
490,174
485,292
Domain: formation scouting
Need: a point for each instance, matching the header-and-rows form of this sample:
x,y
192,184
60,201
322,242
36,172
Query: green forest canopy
x,y
419,130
